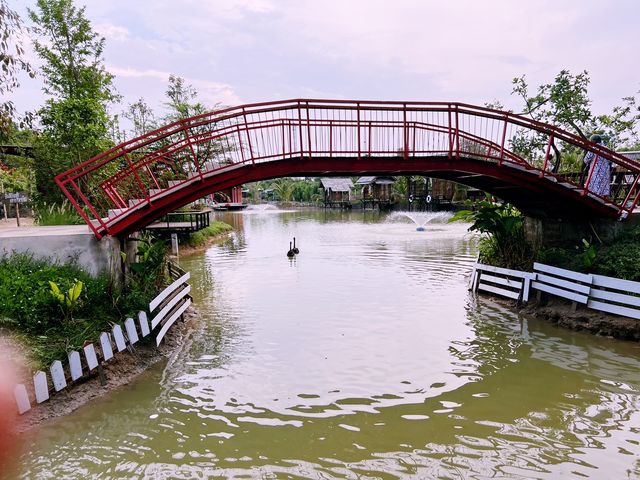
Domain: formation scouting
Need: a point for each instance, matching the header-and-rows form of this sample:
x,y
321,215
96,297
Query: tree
x,y
565,103
210,153
75,123
181,96
141,116
12,61
283,188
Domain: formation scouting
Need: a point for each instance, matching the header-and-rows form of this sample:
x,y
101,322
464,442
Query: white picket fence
x,y
172,303
607,294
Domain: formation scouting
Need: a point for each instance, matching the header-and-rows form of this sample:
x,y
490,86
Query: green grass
x,y
200,237
56,214
29,310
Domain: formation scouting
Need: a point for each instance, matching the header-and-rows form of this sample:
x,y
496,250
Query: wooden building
x,y
337,192
376,191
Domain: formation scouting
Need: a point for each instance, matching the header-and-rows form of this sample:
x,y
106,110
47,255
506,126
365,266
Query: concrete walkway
x,y
61,243
9,229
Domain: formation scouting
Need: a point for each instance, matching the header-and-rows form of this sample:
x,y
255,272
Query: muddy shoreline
x,y
584,320
119,371
559,312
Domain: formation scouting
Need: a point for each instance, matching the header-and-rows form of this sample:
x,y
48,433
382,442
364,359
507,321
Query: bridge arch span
x,y
132,184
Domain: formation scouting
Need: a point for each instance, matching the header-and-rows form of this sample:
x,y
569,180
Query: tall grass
x,y
56,214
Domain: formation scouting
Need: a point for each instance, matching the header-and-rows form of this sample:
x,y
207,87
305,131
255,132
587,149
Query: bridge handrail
x,y
238,124
241,110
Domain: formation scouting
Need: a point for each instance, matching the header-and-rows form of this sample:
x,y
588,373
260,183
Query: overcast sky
x,y
243,51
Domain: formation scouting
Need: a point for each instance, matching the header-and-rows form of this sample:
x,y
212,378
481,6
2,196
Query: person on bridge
x,y
599,171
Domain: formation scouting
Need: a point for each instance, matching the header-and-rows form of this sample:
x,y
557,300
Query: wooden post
x,y
18,213
102,376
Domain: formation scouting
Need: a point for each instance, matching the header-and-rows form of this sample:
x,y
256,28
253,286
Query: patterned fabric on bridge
x,y
132,184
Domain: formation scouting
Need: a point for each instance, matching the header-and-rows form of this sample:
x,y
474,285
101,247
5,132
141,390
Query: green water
x,y
363,357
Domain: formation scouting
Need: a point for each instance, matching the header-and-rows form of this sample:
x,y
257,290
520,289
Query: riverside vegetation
x,y
503,244
53,308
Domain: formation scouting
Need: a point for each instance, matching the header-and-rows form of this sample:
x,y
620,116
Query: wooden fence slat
x,y
22,398
171,320
499,291
118,337
132,333
58,376
616,284
576,297
168,291
90,355
566,284
561,272
503,271
105,346
169,306
526,287
628,300
144,323
75,365
617,309
501,281
41,387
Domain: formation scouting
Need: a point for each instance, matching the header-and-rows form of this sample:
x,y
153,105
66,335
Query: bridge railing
x,y
132,175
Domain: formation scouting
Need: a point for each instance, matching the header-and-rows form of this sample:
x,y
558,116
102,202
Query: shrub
x,y
28,308
505,244
56,214
197,239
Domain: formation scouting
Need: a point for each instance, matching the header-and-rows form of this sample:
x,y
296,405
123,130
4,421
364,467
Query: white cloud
x,y
250,50
209,92
112,32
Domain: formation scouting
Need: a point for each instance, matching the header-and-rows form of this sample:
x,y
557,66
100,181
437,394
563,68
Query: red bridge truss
x,y
132,184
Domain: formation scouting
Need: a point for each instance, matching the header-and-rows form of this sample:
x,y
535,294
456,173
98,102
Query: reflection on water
x,y
363,357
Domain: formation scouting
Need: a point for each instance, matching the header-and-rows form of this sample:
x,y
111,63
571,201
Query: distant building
x,y
337,192
376,191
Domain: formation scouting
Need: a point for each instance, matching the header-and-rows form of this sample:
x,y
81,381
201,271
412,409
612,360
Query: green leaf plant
x,y
69,300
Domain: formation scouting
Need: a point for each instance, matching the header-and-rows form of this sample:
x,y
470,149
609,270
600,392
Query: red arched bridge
x,y
535,166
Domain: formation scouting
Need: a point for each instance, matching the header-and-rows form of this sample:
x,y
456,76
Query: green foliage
x,y
589,254
29,308
147,273
15,180
200,237
196,239
505,244
283,188
68,300
141,116
565,103
75,122
620,258
13,60
56,214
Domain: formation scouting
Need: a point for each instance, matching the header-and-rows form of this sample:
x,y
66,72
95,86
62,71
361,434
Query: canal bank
x,y
119,373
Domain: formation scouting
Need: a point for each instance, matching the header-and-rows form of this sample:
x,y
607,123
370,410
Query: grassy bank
x,y
201,237
50,325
